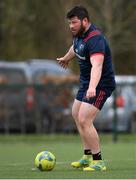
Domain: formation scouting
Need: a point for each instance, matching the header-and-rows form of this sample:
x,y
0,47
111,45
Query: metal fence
x,y
124,106
36,108
47,109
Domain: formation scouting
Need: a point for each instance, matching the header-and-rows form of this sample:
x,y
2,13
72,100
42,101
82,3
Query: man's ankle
x,y
97,156
87,152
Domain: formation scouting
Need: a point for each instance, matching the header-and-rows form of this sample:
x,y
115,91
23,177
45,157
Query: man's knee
x,y
75,109
74,114
82,120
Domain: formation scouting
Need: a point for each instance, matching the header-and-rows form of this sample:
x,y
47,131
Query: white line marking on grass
x,y
116,160
33,169
65,163
21,164
17,164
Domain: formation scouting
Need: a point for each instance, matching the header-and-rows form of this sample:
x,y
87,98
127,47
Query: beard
x,y
80,31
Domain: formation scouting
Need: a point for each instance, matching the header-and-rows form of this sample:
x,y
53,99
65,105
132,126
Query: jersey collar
x,y
88,31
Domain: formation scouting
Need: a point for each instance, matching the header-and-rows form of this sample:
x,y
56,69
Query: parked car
x,y
28,103
125,101
52,95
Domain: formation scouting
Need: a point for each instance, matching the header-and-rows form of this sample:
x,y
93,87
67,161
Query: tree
x,y
39,29
117,19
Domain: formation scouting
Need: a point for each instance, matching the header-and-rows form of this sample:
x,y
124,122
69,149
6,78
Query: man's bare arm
x,y
96,71
64,61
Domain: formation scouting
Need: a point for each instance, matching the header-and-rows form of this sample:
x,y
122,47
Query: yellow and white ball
x,y
45,161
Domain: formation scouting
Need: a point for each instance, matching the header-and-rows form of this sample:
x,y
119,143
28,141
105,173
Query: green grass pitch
x,y
17,155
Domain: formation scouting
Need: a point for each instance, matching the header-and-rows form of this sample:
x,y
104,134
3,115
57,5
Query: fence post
x,y
115,119
7,123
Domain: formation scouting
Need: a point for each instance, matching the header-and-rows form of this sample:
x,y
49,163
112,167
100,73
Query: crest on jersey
x,y
81,47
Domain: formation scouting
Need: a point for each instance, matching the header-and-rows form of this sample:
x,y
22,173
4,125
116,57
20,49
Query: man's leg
x,y
75,114
85,160
75,111
87,114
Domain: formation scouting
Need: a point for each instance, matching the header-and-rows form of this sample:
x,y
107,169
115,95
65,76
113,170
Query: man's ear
x,y
85,20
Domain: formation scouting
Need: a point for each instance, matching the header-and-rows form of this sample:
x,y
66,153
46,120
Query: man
x,y
96,83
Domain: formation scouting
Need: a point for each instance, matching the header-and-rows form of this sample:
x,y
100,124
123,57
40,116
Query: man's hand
x,y
91,92
63,62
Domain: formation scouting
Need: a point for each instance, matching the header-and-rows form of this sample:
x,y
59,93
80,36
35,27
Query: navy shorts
x,y
98,101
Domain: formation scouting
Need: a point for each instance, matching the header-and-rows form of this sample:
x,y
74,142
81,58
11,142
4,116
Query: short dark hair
x,y
79,11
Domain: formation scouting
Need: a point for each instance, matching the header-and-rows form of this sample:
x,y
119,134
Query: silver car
x,y
125,107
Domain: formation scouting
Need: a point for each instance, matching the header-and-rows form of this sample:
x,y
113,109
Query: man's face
x,y
76,26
